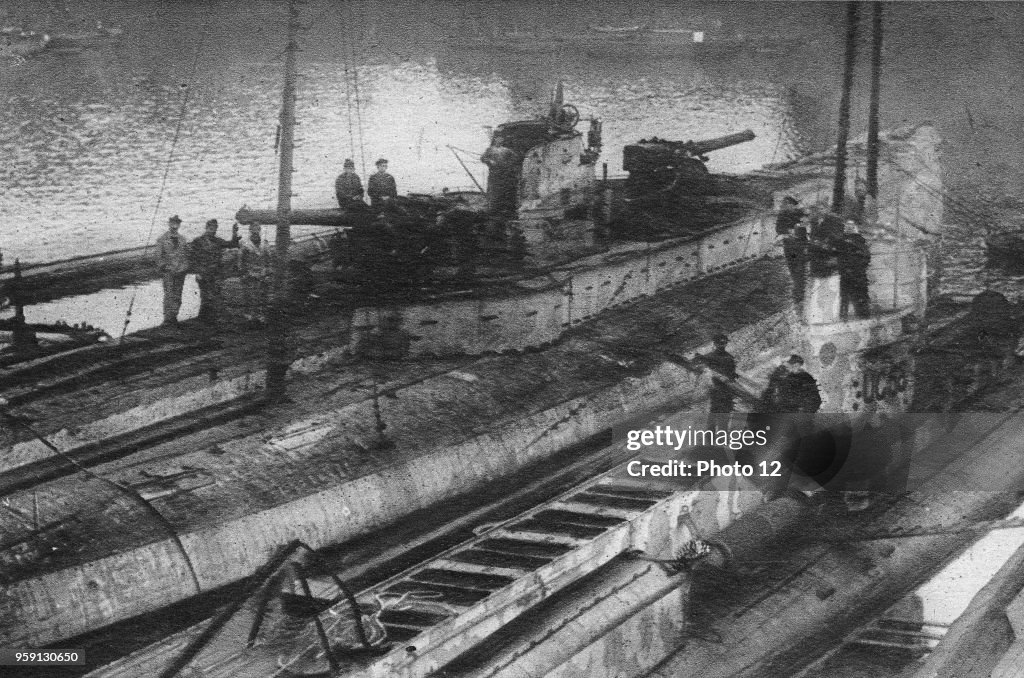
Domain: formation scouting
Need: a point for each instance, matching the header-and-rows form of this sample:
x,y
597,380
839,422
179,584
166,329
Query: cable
x,y
177,130
348,101
170,159
359,106
352,86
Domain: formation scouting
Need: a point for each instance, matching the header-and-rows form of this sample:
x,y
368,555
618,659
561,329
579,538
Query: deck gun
x,y
659,163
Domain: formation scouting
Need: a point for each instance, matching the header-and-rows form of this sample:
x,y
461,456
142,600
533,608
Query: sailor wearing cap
x,y
791,389
348,187
207,263
798,390
724,365
793,224
854,257
381,186
789,216
722,400
172,262
255,266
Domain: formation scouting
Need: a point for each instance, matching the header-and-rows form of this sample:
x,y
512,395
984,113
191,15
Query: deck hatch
x,y
446,605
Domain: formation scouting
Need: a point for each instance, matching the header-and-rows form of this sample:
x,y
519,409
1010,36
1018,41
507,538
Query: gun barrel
x,y
651,155
718,143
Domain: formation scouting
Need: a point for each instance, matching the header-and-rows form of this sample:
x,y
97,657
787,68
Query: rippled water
x,y
88,135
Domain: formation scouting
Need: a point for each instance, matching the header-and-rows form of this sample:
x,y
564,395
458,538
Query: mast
x,y
876,72
839,187
277,334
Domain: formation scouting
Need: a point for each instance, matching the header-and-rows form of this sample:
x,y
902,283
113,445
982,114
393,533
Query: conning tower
x,y
543,168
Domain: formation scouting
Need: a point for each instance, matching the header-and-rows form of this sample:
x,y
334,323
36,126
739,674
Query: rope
x,y
177,130
354,56
474,154
348,104
170,159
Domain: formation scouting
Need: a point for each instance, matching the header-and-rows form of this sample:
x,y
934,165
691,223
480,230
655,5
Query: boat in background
x,y
22,44
637,40
17,43
83,39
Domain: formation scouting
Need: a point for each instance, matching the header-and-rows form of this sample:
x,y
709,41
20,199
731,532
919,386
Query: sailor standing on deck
x,y
721,397
256,267
796,391
826,231
207,262
348,187
172,260
854,255
789,216
381,186
793,224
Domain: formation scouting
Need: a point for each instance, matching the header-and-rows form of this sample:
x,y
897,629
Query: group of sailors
x,y
176,257
820,243
380,187
790,388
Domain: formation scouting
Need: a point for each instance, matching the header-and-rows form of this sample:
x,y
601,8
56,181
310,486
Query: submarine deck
x,y
117,394
456,397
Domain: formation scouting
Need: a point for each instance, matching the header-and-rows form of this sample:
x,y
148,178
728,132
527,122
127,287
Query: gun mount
x,y
666,179
658,163
660,154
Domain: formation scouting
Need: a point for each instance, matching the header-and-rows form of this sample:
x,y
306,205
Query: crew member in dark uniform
x,y
789,216
348,187
787,403
721,397
797,390
504,165
769,396
823,245
792,225
381,186
854,255
207,262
